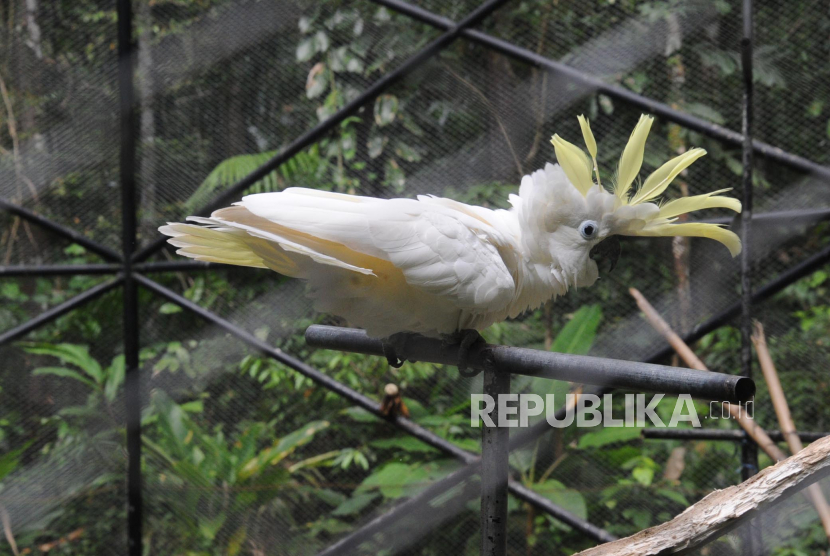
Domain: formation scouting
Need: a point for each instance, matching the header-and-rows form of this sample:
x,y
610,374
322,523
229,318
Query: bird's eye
x,y
589,229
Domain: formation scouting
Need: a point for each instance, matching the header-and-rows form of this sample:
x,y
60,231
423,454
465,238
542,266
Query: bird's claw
x,y
392,356
395,344
466,340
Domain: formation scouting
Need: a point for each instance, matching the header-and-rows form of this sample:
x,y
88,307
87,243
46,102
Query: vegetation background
x,y
243,456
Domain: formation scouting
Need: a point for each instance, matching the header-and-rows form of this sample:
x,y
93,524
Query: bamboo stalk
x,y
785,419
758,434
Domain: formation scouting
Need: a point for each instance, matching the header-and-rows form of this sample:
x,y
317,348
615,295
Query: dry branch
x,y
785,419
758,434
724,510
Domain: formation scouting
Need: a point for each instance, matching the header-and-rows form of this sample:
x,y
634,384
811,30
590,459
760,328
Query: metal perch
x,y
596,371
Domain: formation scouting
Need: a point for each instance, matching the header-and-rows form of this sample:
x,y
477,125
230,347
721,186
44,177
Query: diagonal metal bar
x,y
318,131
614,91
373,407
786,278
59,310
59,270
61,230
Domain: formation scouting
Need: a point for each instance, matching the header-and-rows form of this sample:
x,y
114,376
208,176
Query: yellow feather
x,y
696,229
632,156
699,202
660,179
588,136
574,163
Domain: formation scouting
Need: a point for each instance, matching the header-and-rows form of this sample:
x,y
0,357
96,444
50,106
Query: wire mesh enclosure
x,y
152,404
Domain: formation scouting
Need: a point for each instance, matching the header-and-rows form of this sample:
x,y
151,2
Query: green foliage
x,y
234,476
578,335
305,169
103,381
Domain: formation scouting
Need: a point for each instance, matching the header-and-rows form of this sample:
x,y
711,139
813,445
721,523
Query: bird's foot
x,y
465,339
393,345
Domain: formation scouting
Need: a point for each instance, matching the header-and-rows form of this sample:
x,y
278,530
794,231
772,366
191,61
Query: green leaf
x,y
210,527
115,377
66,373
609,435
9,461
305,50
393,477
355,504
386,108
330,497
236,541
360,415
286,445
406,443
300,436
72,354
567,498
74,250
169,309
674,496
643,475
577,336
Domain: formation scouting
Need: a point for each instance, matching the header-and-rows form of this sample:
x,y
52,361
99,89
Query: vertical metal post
x,y
130,297
494,471
749,450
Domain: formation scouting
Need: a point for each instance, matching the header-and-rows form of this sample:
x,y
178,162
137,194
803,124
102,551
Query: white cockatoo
x,y
436,266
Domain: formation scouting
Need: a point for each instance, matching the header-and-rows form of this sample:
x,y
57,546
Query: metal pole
x,y
127,167
749,450
614,91
61,230
494,470
581,369
58,311
59,270
753,542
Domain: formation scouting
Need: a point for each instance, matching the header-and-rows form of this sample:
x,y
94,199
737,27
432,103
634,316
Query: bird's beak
x,y
606,253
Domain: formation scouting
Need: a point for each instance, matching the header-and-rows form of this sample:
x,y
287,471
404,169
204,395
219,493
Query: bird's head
x,y
568,220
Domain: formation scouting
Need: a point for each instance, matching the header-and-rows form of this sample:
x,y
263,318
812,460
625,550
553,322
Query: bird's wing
x,y
440,248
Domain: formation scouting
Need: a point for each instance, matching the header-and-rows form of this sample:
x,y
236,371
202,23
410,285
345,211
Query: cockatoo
x,y
435,266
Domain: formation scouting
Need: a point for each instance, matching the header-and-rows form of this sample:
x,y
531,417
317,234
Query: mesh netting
x,y
241,454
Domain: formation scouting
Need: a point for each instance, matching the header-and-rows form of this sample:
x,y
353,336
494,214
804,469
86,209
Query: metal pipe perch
x,y
556,366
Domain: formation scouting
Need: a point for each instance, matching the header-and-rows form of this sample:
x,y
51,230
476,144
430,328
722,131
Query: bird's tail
x,y
235,236
213,242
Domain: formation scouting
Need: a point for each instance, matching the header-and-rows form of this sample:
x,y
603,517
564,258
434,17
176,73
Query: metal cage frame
x,y
129,266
